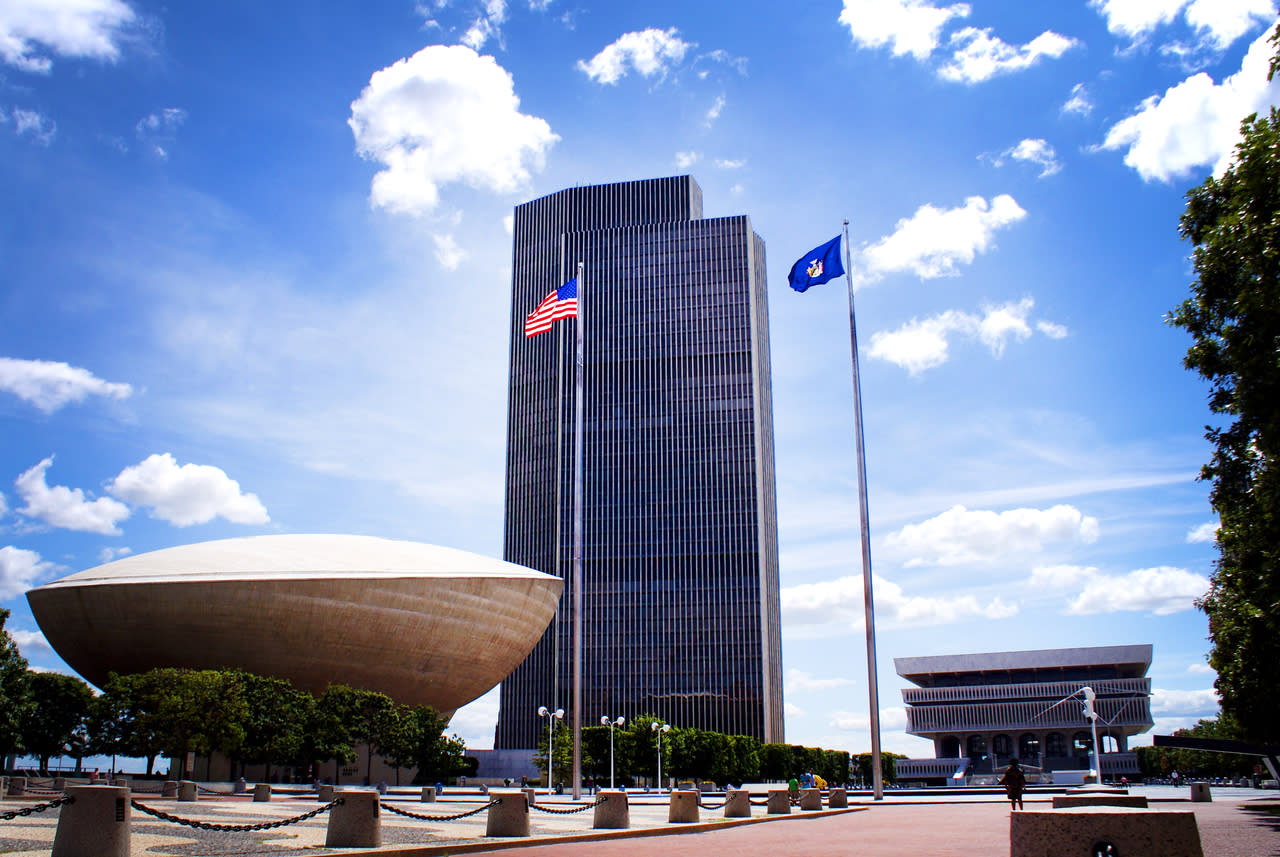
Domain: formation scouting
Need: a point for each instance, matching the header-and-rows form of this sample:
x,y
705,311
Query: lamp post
x,y
660,728
552,717
605,721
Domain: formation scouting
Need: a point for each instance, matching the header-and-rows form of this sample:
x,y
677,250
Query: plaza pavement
x,y
940,824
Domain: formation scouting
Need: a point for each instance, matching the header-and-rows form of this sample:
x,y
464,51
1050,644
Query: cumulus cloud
x,y
1062,576
960,536
1184,702
20,570
445,115
31,124
29,641
1207,532
798,681
1035,151
487,25
187,494
905,26
49,385
448,253
840,602
649,52
1162,590
1195,123
67,508
713,113
684,160
1218,22
1200,668
33,30
980,56
933,241
922,344
1078,101
891,719
731,164
1052,329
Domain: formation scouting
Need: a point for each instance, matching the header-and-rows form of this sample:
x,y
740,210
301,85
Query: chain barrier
x,y
764,802
541,808
713,805
389,808
32,810
36,790
232,828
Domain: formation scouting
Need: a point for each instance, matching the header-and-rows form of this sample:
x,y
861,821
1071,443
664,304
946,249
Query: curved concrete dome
x,y
420,623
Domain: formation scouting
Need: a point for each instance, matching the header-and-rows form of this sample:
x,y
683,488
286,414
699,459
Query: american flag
x,y
562,303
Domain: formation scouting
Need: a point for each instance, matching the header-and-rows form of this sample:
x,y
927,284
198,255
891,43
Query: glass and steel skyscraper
x,y
680,545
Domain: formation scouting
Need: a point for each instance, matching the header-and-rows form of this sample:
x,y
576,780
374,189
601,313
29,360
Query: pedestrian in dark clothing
x,y
1014,781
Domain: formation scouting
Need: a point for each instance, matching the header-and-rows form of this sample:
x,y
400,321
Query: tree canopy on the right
x,y
1233,316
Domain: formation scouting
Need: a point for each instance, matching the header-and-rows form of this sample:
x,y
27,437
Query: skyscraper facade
x,y
680,547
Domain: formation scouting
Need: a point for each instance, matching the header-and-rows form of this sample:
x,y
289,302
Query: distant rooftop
x,y
1009,667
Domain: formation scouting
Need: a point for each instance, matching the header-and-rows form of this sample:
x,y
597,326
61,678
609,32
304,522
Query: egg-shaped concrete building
x,y
423,624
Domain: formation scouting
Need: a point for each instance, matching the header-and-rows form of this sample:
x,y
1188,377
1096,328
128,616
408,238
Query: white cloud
x,y
1062,576
923,344
4,507
1200,668
30,30
448,253
67,508
49,385
1078,102
20,570
110,554
1162,590
158,129
487,25
31,123
650,52
1039,152
29,641
684,160
1219,22
475,721
980,56
1197,122
891,720
445,115
798,681
1052,329
1205,533
906,26
730,164
933,241
186,495
840,602
1184,702
713,113
960,536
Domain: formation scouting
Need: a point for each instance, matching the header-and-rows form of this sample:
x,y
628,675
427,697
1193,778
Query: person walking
x,y
1014,782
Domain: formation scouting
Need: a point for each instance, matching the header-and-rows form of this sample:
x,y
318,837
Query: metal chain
x,y
389,808
35,790
32,810
765,802
713,805
232,828
566,811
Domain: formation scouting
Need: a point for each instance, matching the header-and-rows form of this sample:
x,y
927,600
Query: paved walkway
x,y
941,826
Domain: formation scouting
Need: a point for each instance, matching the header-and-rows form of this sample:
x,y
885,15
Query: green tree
x,y
276,719
437,756
861,764
127,719
1233,316
775,762
59,710
204,713
15,701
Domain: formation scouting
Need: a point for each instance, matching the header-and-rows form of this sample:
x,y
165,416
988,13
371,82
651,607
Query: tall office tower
x,y
680,556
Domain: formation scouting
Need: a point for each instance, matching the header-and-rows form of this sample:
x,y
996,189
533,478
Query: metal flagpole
x,y
865,526
577,556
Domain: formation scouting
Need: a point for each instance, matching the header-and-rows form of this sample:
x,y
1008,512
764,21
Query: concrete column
x,y
324,793
684,807
810,799
614,813
779,802
187,791
17,787
95,824
428,794
356,822
262,793
838,799
169,789
508,816
737,804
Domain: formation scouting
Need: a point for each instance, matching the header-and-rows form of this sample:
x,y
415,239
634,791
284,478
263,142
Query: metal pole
x,y
577,555
611,756
865,526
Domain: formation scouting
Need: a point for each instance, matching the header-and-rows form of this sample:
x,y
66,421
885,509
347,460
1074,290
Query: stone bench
x,y
1077,831
1069,800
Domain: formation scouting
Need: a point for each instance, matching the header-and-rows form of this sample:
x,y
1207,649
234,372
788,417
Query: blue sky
x,y
256,275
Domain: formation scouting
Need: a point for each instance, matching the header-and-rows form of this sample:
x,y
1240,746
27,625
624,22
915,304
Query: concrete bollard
x,y
17,787
324,793
838,799
356,822
59,784
508,816
428,794
187,792
169,789
779,802
95,824
121,783
239,787
613,813
4,786
810,799
531,795
262,793
1200,793
737,804
684,807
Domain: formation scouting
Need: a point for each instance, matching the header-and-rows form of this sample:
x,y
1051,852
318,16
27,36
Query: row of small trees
x,y
1163,761
698,755
250,719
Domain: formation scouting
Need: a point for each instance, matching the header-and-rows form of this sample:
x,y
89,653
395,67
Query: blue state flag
x,y
817,266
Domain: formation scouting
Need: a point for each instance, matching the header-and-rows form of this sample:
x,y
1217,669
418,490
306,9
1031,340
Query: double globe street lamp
x,y
605,721
552,717
661,729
